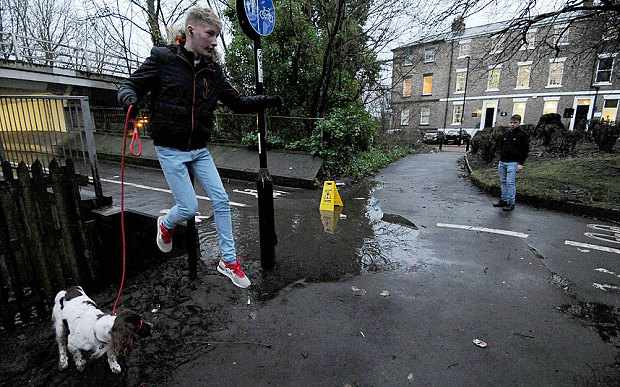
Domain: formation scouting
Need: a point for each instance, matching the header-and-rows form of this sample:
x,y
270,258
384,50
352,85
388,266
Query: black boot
x,y
501,203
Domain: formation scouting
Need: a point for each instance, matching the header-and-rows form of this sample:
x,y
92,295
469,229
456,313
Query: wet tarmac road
x,y
381,296
531,299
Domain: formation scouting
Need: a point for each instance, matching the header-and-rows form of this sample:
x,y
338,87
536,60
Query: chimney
x,y
458,25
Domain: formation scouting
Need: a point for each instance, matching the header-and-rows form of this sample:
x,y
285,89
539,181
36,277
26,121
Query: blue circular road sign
x,y
261,15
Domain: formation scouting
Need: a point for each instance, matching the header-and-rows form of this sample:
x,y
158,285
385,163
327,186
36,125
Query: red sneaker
x,y
164,236
235,272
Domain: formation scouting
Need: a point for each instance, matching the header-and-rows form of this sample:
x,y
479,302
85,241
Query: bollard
x,y
191,242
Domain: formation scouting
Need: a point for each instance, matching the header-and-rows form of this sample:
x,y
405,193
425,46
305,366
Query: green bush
x,y
274,141
343,134
370,161
605,134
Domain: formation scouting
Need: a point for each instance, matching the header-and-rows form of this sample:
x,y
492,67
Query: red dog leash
x,y
135,139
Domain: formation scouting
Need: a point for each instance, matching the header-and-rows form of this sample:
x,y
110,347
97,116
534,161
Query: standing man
x,y
514,147
186,82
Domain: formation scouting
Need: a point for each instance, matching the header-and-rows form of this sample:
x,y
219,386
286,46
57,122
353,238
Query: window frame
x,y
492,69
556,100
521,65
404,118
424,93
428,116
462,72
519,101
454,106
408,80
408,56
433,51
617,108
560,35
611,69
464,43
555,61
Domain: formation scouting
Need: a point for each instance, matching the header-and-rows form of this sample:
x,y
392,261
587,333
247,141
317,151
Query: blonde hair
x,y
200,15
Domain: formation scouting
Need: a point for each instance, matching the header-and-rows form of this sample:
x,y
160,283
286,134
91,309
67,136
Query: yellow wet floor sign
x,y
330,197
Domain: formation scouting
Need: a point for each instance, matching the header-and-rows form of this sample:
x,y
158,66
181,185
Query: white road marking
x,y
198,218
167,191
483,229
253,192
605,287
602,270
592,247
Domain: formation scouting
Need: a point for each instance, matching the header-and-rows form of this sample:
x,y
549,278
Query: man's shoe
x,y
234,271
501,203
164,236
509,207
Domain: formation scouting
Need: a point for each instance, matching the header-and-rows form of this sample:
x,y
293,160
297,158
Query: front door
x,y
488,117
581,117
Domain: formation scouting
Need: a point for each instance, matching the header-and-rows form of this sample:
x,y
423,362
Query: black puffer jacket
x,y
184,96
514,145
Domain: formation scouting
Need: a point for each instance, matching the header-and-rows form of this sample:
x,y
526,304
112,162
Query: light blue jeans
x,y
507,176
175,164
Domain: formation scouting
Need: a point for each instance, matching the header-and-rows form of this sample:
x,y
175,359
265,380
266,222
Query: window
x,y
560,32
461,75
551,105
425,115
523,75
408,56
464,48
427,84
404,117
407,87
429,55
493,82
604,69
518,107
497,43
457,114
530,36
610,110
556,70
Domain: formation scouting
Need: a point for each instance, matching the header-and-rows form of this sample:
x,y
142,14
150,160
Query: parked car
x,y
452,136
431,137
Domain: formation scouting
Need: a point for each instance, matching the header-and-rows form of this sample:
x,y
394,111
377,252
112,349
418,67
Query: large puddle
x,y
316,246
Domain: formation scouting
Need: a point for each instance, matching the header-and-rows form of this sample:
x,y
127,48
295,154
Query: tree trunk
x,y
319,105
153,22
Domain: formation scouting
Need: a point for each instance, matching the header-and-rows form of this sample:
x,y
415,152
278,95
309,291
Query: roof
x,y
471,32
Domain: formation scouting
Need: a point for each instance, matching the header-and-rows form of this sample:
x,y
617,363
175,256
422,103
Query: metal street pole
x,y
264,184
257,19
464,95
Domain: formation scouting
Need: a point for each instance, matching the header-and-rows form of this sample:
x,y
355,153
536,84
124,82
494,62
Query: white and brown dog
x,y
81,326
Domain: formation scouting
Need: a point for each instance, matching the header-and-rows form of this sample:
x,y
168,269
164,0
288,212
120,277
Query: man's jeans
x,y
175,163
507,175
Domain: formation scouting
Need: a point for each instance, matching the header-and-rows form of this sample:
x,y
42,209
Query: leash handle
x,y
135,146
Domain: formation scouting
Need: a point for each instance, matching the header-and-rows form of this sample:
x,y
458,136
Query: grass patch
x,y
370,161
593,181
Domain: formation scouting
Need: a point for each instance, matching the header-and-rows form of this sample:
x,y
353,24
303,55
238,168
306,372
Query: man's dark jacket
x,y
514,145
184,96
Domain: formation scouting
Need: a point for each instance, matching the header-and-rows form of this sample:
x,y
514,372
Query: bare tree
x,y
48,25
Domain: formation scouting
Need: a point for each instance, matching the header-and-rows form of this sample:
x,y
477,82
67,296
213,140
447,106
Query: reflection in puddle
x,y
395,244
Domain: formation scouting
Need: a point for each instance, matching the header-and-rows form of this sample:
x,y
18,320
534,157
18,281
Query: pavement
x,y
392,290
288,168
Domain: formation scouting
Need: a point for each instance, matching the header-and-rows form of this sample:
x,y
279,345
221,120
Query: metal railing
x,y
49,127
227,127
23,49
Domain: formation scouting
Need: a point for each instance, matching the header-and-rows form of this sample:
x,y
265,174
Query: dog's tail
x,y
58,301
